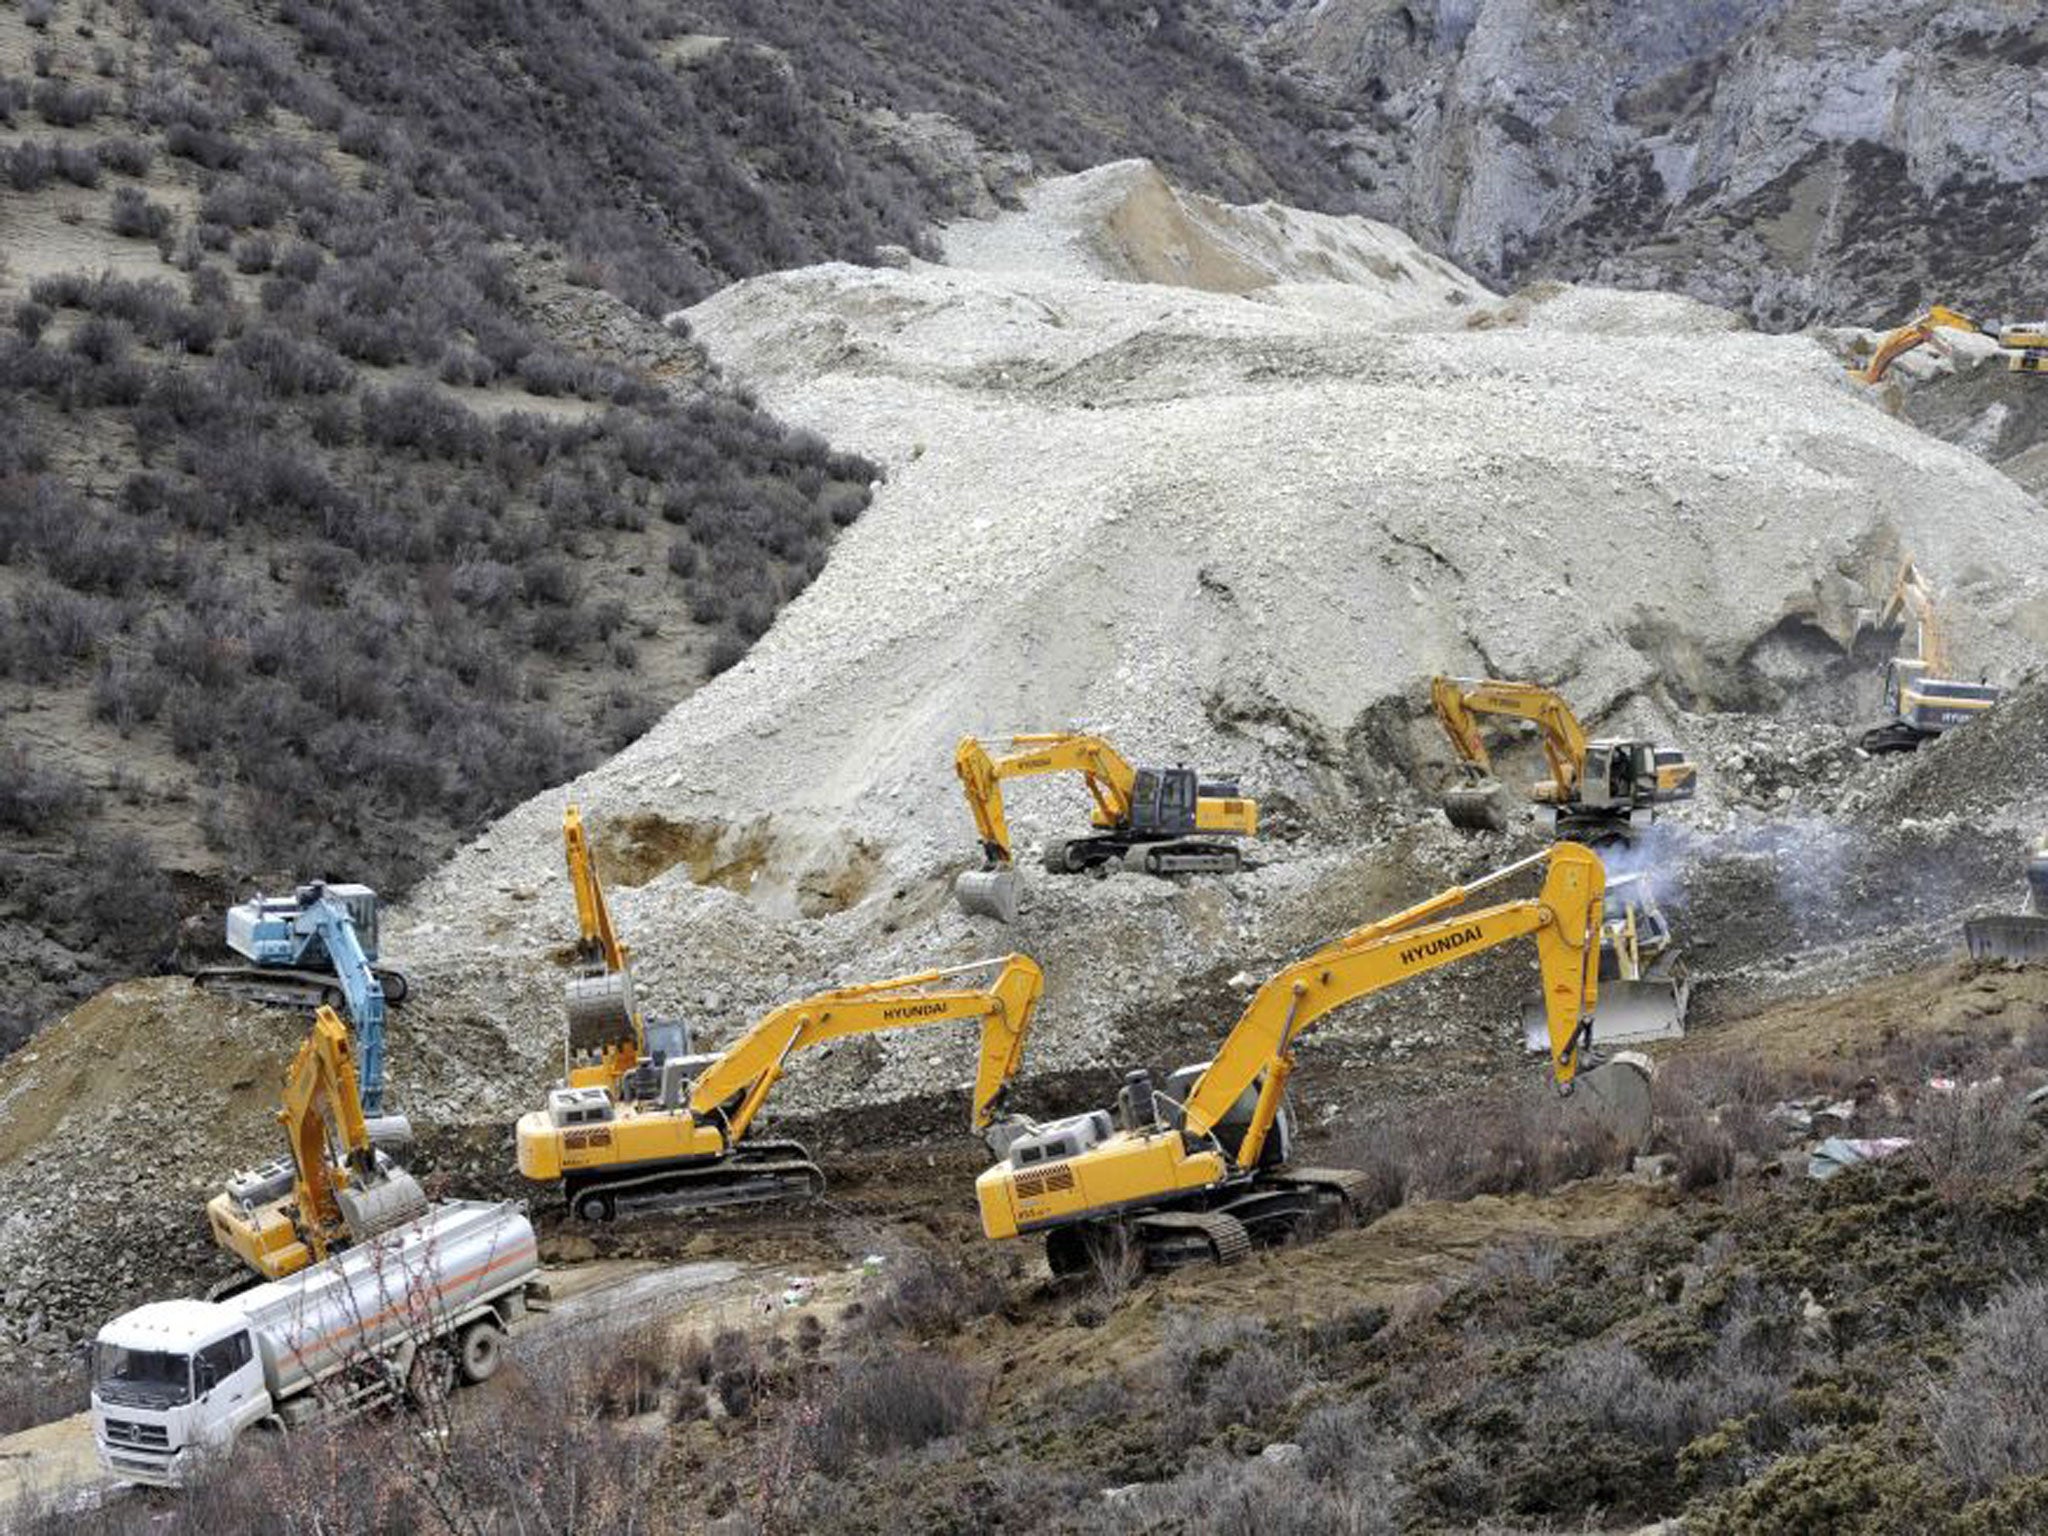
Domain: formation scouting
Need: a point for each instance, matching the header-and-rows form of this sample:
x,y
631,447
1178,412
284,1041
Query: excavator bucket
x,y
1480,807
600,1012
2021,938
988,893
1616,1094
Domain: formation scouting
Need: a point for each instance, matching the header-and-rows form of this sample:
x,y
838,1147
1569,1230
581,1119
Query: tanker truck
x,y
410,1313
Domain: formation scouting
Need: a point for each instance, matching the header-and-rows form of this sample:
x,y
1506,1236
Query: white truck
x,y
411,1311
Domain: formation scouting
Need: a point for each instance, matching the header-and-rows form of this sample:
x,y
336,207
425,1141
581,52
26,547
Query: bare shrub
x,y
930,1297
77,164
887,1404
254,253
34,798
1989,1417
724,653
63,104
28,167
206,147
128,157
52,630
137,217
1219,1496
735,1372
1971,1139
1523,1141
29,1397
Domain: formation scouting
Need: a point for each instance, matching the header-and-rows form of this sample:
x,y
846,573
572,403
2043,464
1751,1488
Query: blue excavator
x,y
315,948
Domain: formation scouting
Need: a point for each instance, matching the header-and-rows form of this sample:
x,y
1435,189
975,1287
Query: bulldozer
x,y
1153,821
1644,985
1598,790
676,1139
2018,937
1202,1168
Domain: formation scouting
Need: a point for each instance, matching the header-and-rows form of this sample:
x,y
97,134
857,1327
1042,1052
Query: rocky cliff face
x,y
1797,159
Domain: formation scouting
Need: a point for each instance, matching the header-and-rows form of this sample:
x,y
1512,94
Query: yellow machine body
x,y
1134,1168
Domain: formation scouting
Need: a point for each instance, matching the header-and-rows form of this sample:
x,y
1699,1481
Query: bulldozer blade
x,y
988,893
1616,1095
2019,937
1651,1009
1477,807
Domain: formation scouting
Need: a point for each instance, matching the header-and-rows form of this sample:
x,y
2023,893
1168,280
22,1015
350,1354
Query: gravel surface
x,y
1236,524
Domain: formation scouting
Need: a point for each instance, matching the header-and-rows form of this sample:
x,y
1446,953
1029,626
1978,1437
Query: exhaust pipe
x,y
988,893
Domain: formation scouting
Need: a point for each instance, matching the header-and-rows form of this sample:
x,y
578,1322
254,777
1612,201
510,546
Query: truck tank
x,y
411,1279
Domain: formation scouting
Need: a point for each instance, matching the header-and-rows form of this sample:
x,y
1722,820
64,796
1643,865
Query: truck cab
x,y
173,1382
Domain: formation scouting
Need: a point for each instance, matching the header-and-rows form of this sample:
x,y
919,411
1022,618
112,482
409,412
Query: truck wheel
x,y
481,1351
431,1378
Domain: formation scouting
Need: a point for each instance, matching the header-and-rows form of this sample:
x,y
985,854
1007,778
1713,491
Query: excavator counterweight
x,y
1202,1167
1155,821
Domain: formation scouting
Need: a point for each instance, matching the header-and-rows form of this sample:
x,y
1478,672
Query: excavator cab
x,y
1163,801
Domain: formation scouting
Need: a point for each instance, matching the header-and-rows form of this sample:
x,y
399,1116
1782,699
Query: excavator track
x,y
291,989
1894,736
1168,856
758,1173
1170,1239
1348,1185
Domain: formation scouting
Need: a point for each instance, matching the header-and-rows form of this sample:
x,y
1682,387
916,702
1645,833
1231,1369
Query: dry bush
x,y
735,1372
1989,1417
35,797
30,1396
135,216
1255,1497
1972,1139
890,1403
1524,1141
929,1297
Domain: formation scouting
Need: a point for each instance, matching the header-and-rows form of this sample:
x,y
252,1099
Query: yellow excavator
x,y
686,1147
2026,346
1920,697
1155,821
1200,1169
339,1187
1597,790
606,1037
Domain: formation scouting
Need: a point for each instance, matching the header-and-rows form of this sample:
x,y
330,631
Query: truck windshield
x,y
142,1376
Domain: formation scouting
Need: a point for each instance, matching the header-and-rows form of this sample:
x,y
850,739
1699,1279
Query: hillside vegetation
x,y
353,492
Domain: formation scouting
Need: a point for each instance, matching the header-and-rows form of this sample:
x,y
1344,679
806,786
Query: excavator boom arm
x,y
1458,700
1914,333
328,918
322,1099
1108,775
753,1063
1911,595
599,939
1564,917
